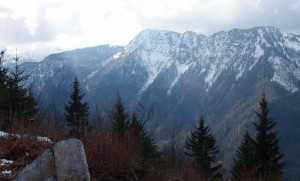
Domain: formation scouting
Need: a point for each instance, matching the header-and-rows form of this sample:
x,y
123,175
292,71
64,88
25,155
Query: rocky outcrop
x,y
66,161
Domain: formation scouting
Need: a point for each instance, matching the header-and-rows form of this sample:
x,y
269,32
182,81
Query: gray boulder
x,y
65,162
41,169
70,161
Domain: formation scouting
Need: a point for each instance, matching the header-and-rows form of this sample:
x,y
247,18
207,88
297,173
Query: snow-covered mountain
x,y
36,55
221,76
207,57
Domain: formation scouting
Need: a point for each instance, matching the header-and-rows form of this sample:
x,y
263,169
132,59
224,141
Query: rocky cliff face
x,y
221,76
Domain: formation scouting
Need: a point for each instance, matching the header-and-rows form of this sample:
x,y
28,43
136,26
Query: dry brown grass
x,y
107,158
22,151
189,173
22,146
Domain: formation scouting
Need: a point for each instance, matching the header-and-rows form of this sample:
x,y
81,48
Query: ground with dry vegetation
x,y
107,158
16,153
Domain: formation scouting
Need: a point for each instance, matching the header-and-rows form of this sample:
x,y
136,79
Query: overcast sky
x,y
35,24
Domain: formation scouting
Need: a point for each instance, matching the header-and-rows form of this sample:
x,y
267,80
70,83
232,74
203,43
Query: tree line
x,y
257,158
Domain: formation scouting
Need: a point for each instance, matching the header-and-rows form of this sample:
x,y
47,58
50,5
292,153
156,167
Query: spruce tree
x,y
3,78
77,111
3,72
3,89
201,146
266,145
145,143
243,167
21,104
119,119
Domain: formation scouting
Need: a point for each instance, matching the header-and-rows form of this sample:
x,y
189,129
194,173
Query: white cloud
x,y
78,23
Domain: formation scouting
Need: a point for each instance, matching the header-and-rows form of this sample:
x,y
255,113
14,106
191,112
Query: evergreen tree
x,y
120,122
3,77
77,111
145,143
3,71
201,146
244,161
21,104
266,145
3,88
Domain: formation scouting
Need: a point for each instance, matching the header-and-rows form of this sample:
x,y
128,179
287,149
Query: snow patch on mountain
x,y
117,55
154,63
258,50
211,75
285,73
251,67
284,82
87,88
216,68
240,71
153,47
91,75
292,41
181,69
262,38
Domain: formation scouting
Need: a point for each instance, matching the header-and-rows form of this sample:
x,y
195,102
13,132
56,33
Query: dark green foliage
x,y
201,146
136,127
3,77
77,111
3,71
244,161
119,119
19,105
145,143
3,88
266,145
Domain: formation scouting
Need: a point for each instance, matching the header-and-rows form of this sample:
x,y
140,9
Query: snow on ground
x,y
5,162
39,138
6,172
2,134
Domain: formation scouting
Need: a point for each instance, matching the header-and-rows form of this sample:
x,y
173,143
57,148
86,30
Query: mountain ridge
x,y
221,76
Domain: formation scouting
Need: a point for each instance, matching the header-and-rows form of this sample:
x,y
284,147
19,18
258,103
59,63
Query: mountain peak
x,y
150,38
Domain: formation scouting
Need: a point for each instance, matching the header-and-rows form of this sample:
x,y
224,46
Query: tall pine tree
x,y
21,105
145,143
266,145
3,72
119,119
3,89
201,146
77,111
243,167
